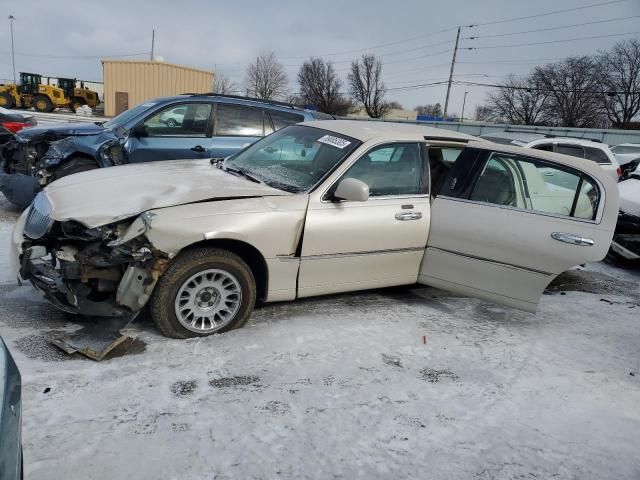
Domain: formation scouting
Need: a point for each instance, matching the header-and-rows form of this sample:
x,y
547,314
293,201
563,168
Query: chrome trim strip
x,y
359,254
517,209
497,262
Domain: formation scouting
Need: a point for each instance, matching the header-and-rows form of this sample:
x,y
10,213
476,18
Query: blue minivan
x,y
179,127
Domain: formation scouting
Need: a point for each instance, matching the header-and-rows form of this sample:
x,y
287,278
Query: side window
x,y
394,169
191,120
284,119
596,155
538,186
547,147
239,121
573,150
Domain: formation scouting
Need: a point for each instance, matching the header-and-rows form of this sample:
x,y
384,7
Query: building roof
x,y
162,64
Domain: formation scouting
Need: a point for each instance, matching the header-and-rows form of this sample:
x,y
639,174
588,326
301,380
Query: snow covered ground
x,y
345,387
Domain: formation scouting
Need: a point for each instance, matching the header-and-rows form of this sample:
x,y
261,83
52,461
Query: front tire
x,y
43,104
6,100
204,291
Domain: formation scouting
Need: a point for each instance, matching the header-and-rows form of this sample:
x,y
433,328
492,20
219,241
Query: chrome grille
x,y
38,219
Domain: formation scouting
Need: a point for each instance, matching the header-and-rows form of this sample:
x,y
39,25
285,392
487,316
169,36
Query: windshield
x,y
295,158
127,115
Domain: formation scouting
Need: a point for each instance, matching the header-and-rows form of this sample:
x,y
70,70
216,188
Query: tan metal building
x,y
128,83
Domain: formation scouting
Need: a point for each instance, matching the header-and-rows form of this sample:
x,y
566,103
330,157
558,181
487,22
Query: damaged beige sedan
x,y
314,209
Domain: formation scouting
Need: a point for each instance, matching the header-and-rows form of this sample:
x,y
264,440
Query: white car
x,y
313,209
581,148
626,152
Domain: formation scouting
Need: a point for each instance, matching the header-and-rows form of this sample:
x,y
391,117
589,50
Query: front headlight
x,y
113,153
39,219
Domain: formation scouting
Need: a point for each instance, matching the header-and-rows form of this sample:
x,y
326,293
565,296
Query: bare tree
x,y
224,85
619,69
266,78
573,91
367,87
518,101
320,86
484,113
432,110
395,105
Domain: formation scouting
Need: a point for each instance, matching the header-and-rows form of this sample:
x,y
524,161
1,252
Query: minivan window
x,y
190,120
239,121
284,119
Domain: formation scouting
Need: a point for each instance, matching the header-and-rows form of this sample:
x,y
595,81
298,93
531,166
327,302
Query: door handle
x,y
404,216
572,239
198,149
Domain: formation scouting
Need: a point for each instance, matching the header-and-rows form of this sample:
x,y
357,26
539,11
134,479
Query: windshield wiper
x,y
242,173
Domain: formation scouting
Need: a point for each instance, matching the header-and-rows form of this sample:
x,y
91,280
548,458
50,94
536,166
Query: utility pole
x,y
13,53
464,101
453,62
153,42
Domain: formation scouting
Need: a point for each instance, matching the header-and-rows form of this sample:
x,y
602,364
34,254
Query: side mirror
x,y
353,190
140,131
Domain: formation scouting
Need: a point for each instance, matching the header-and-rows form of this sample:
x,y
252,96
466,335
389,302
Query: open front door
x,y
504,225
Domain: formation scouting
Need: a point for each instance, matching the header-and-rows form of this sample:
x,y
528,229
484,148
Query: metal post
x,y
255,94
153,42
464,101
13,53
453,62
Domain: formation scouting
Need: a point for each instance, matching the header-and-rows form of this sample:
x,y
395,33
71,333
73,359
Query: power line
x,y
83,57
547,90
565,10
528,44
522,32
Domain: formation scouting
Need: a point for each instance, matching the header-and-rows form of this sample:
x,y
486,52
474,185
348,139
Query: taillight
x,y
619,171
14,127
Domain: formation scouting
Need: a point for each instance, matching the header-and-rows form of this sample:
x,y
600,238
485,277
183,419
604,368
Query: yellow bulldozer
x,y
31,92
77,97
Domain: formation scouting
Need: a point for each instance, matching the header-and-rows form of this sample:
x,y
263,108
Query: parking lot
x,y
396,383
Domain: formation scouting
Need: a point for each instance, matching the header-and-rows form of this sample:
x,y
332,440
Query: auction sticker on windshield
x,y
334,141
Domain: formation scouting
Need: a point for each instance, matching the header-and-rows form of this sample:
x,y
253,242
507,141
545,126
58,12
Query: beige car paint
x,y
346,245
106,195
465,234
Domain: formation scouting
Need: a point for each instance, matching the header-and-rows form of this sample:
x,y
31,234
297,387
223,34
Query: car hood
x,y
106,195
59,131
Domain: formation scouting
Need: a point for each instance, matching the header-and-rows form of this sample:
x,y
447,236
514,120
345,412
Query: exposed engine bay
x,y
104,271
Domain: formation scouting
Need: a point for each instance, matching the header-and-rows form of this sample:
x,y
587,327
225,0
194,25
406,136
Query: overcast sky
x,y
228,35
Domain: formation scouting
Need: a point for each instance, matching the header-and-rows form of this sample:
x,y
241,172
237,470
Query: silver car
x,y
316,208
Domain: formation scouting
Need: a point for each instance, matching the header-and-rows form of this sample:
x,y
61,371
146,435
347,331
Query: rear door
x,y
502,228
175,132
236,127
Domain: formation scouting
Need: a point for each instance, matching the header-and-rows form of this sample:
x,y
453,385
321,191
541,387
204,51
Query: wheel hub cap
x,y
208,301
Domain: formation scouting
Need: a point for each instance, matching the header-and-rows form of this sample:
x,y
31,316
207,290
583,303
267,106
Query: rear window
x,y
596,155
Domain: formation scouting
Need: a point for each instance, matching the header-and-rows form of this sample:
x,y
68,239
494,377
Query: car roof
x,y
236,99
364,130
570,140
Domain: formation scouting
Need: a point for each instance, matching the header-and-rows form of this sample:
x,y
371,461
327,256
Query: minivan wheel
x,y
204,291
